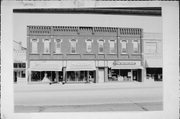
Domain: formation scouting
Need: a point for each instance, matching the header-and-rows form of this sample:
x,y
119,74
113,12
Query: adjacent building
x,y
19,63
153,56
85,54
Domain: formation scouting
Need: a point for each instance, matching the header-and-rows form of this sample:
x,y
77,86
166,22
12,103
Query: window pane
x,y
46,46
34,46
123,47
135,46
101,46
88,45
23,65
73,46
112,46
58,45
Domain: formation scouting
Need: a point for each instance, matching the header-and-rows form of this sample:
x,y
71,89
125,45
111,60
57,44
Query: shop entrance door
x,y
135,75
101,75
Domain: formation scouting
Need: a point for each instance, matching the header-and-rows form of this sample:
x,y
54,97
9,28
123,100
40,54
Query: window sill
x,y
46,54
124,53
112,54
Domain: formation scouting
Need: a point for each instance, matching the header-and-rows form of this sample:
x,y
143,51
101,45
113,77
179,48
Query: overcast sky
x,y
21,20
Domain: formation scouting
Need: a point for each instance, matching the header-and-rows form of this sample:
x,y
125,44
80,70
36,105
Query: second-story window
x,y
73,45
46,46
112,46
101,46
34,48
151,47
89,46
135,46
123,46
58,45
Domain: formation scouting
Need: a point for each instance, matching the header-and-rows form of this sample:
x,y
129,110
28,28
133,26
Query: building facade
x,y
85,54
153,56
19,64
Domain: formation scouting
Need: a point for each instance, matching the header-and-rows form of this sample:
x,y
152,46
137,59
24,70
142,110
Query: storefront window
x,y
120,75
34,48
58,45
46,76
135,46
80,76
112,46
101,46
46,46
123,46
89,45
73,45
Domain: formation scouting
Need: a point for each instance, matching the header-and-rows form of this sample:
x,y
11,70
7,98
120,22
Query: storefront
x,y
154,70
80,71
125,71
45,71
19,71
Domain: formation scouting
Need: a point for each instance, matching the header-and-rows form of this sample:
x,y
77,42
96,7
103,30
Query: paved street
x,y
88,97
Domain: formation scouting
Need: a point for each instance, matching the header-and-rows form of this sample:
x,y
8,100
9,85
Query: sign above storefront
x,y
46,66
125,64
80,66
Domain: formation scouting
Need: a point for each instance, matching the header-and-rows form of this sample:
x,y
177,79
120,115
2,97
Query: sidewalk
x,y
113,85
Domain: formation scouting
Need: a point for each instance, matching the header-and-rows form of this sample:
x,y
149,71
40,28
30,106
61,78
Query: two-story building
x,y
85,54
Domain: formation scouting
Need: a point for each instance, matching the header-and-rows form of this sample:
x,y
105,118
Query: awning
x,y
45,66
126,67
154,63
81,66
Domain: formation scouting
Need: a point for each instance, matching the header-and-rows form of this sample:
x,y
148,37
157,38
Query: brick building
x,y
85,54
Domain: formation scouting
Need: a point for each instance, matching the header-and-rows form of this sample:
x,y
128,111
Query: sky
x,y
149,24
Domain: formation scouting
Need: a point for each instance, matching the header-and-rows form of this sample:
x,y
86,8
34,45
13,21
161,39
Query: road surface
x,y
107,98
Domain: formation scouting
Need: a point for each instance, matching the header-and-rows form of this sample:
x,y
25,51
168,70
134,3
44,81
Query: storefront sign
x,y
80,65
123,63
46,66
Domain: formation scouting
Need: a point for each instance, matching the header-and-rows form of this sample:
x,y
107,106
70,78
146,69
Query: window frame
x,y
121,41
138,43
91,41
55,42
75,45
44,46
113,48
99,46
37,42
